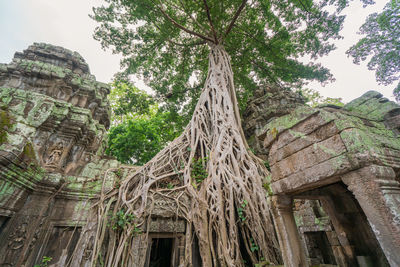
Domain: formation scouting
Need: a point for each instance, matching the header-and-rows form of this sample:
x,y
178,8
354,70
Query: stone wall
x,y
54,117
53,121
267,104
336,156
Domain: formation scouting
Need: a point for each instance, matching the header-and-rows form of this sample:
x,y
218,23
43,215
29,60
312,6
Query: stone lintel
x,y
321,174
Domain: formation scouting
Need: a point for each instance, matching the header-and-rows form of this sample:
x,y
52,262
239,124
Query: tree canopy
x,y
381,45
314,98
165,42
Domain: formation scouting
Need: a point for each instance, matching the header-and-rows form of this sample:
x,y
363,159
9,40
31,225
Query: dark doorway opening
x,y
351,239
196,258
161,252
3,222
319,247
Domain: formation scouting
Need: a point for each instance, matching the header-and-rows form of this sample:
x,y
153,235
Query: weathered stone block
x,y
169,225
318,175
308,157
302,141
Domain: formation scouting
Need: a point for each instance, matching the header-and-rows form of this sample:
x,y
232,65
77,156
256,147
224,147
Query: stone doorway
x,y
326,225
319,248
3,222
163,250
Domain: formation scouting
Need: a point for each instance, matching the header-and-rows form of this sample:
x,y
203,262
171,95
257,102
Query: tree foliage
x,y
127,100
165,43
381,45
140,129
314,98
138,139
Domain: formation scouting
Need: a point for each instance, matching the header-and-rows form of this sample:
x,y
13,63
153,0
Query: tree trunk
x,y
228,209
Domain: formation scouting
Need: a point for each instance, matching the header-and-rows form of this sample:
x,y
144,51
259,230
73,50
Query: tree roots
x,y
214,182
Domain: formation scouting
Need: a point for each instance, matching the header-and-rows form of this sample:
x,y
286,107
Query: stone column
x,y
288,235
378,194
343,251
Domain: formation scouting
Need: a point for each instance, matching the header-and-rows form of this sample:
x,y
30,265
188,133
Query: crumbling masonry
x,y
334,186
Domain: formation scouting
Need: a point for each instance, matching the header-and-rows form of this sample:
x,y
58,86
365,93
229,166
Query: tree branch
x,y
200,42
190,15
210,21
235,17
187,45
184,28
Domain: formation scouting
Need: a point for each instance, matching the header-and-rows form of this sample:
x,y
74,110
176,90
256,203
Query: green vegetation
x,y
381,45
121,220
267,186
143,128
5,124
165,43
199,170
44,263
253,246
240,211
314,98
128,101
266,164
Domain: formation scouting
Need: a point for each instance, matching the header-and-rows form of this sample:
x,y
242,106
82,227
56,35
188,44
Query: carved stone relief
x,y
54,155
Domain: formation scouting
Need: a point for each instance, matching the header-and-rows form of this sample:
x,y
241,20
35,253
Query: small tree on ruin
x,y
188,52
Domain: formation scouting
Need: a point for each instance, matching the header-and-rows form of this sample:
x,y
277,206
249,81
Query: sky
x,y
66,23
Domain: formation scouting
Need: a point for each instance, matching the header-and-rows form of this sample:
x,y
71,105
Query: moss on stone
x,y
299,220
371,105
29,153
47,68
5,124
276,126
5,95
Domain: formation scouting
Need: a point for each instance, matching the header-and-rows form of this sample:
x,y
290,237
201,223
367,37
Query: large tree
x,y
381,45
218,183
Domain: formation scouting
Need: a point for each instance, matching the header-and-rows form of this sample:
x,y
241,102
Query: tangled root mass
x,y
217,188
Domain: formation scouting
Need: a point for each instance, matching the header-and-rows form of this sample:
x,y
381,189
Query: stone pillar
x,y
288,235
378,194
342,249
180,249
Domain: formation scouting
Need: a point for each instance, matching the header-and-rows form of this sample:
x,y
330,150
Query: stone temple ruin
x,y
334,185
